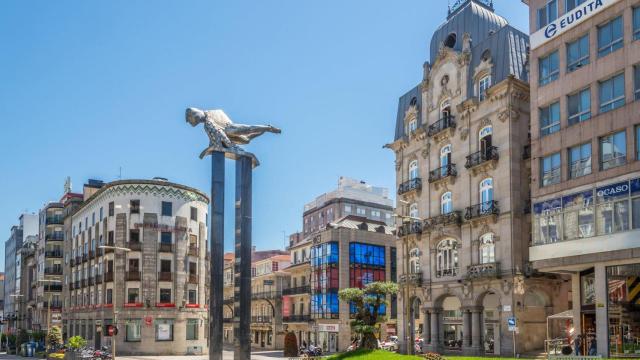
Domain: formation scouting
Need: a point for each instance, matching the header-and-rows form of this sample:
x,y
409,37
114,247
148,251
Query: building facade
x,y
296,299
585,139
154,278
49,257
462,168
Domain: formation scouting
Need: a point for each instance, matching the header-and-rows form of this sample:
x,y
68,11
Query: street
x,y
228,355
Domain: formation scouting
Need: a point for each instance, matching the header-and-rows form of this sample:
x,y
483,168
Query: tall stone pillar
x,y
436,337
466,332
426,328
602,328
216,330
476,330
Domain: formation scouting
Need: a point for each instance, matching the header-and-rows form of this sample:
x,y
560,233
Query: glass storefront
x,y
624,310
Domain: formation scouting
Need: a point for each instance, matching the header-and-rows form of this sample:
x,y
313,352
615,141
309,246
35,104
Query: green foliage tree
x,y
367,302
22,337
55,337
290,345
77,342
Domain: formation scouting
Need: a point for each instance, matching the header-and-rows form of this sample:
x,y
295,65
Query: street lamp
x,y
49,281
113,297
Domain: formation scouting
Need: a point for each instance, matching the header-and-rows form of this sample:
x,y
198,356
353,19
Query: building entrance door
x,y
333,342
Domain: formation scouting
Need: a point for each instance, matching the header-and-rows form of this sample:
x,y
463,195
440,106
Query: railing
x,y
98,279
165,276
491,270
413,227
447,272
443,173
85,257
54,237
261,319
53,254
480,157
72,261
91,281
481,210
193,279
228,301
134,245
305,289
53,271
78,259
165,247
71,285
266,295
452,218
412,279
133,275
55,220
447,122
53,288
77,284
107,277
296,318
54,304
410,185
193,251
227,320
83,282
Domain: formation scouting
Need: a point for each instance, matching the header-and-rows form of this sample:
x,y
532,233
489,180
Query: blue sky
x,y
87,87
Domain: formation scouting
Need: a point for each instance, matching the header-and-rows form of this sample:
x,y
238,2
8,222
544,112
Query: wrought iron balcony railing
x,y
261,319
53,271
443,173
165,276
306,289
410,185
481,210
411,279
55,220
266,295
491,270
452,218
409,228
481,157
296,318
447,272
447,122
53,254
54,237
134,245
133,275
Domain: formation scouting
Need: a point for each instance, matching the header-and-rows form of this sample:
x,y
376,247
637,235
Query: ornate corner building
x,y
463,171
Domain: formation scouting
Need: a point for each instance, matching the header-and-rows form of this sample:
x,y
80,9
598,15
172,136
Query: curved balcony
x,y
482,157
484,271
54,237
489,208
447,122
410,228
442,173
452,218
410,185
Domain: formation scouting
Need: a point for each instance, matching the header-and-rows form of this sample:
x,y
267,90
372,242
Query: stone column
x,y
602,328
466,331
476,330
426,328
436,337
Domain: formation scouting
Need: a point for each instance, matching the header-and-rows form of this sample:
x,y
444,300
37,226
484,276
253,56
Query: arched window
x,y
483,84
413,170
414,261
447,258
487,249
445,156
413,210
446,203
486,190
450,41
485,136
413,126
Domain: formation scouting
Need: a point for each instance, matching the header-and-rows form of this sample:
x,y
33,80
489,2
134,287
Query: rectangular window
x,y
612,210
361,211
165,266
109,296
549,68
612,93
133,295
101,214
133,330
165,237
347,209
192,329
613,150
547,13
134,236
193,297
550,119
194,214
637,142
580,161
610,36
164,330
636,82
579,106
571,4
578,53
134,206
110,239
550,169
483,85
165,296
111,208
636,23
167,208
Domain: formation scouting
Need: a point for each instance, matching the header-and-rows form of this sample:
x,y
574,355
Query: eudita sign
x,y
574,17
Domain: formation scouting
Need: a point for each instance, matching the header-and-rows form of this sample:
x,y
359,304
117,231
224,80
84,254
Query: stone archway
x,y
415,329
490,306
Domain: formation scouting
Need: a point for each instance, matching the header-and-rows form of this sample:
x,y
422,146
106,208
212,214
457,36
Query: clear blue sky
x,y
87,87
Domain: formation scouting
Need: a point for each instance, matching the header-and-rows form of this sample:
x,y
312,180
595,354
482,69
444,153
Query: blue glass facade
x,y
325,281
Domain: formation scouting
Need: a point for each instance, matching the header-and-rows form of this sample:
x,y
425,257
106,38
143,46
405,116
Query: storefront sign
x,y
164,332
585,198
570,20
192,306
612,191
328,327
159,227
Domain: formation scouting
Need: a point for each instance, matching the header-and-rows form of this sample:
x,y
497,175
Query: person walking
x,y
577,345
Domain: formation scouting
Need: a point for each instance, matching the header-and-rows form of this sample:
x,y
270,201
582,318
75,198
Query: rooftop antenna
x,y
67,185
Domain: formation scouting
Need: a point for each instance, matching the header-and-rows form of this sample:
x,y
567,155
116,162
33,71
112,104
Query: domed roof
x,y
474,17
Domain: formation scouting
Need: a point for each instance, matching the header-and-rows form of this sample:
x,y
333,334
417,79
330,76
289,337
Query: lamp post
x,y
113,297
49,281
15,318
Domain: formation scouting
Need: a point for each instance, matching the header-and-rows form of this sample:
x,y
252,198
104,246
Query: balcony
x,y
55,220
167,248
193,279
55,305
53,288
53,254
133,275
83,282
410,185
447,273
483,271
53,271
409,228
77,284
306,289
193,251
266,295
480,160
452,218
108,277
165,276
227,320
296,319
91,281
71,285
134,245
92,254
437,129
447,172
107,250
482,210
261,319
85,257
54,237
98,279
414,279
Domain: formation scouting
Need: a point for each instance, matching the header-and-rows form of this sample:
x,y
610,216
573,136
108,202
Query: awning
x,y
563,315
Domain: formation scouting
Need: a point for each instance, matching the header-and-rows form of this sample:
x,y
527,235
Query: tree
x,y
55,337
77,342
290,345
367,303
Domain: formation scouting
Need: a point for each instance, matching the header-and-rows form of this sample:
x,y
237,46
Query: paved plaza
x,y
228,355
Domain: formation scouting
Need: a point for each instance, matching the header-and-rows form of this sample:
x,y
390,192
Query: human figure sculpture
x,y
224,135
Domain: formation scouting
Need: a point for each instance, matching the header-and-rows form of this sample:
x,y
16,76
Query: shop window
x,y
579,215
624,310
164,330
192,329
133,330
612,209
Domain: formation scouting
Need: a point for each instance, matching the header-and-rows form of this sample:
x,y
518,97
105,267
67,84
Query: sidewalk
x,y
228,355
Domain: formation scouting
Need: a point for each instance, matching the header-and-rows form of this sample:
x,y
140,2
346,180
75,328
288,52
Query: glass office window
x,y
550,169
613,150
571,4
550,119
580,161
636,82
579,106
578,53
612,93
547,13
366,264
636,23
610,36
549,68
